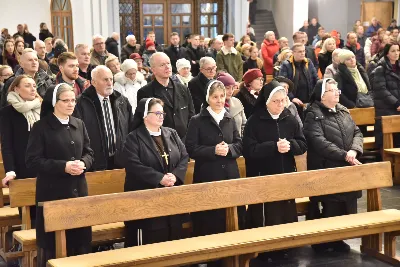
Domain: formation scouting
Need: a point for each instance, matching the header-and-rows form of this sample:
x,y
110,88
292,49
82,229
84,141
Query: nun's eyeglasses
x,y
334,91
159,114
278,101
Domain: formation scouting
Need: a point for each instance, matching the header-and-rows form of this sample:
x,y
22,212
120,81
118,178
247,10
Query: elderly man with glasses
x,y
99,54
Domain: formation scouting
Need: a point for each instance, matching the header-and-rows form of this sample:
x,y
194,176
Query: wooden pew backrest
x,y
363,116
390,125
69,214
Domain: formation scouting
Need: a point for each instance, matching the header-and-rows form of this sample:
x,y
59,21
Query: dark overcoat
x,y
51,145
198,90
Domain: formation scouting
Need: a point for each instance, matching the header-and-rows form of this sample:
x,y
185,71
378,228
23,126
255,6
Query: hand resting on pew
x,y
351,157
168,180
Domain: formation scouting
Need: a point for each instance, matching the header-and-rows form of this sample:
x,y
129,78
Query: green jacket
x,y
231,63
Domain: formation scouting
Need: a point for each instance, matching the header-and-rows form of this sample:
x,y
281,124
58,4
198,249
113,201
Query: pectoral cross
x,y
165,156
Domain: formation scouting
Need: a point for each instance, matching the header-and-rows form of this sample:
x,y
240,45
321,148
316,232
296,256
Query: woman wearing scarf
x,y
331,70
249,89
213,141
333,141
184,75
272,137
59,152
232,104
129,81
154,157
351,78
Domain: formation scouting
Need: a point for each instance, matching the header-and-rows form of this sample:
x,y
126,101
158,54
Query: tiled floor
x,y
305,257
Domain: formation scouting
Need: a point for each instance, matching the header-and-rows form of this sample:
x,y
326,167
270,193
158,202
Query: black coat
x,y
310,53
14,140
198,90
247,99
112,46
195,55
386,88
260,138
202,137
324,61
88,109
88,74
145,170
44,34
174,55
127,50
349,88
51,145
330,135
179,112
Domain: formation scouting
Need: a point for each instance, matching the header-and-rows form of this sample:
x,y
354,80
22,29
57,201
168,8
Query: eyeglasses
x,y
210,69
159,114
66,101
277,101
259,79
334,91
100,43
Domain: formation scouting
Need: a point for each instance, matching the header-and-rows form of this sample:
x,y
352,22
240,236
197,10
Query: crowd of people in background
x,y
148,108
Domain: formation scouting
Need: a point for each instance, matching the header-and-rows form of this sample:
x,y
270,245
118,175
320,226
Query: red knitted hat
x,y
149,43
251,75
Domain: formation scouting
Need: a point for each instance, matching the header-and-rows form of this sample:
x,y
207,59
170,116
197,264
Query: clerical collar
x,y
154,133
63,121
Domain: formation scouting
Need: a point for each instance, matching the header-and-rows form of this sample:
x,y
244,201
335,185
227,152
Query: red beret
x,y
149,43
251,75
135,56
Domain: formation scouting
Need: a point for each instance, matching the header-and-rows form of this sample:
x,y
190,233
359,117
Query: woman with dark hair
x,y
351,78
19,48
249,89
154,157
59,152
333,140
386,88
272,137
44,32
213,141
9,56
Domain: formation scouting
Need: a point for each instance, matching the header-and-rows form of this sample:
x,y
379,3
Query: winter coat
x,y
260,150
128,50
88,74
288,70
236,110
386,88
330,135
331,70
371,29
44,34
324,61
247,99
348,86
358,51
231,62
145,170
89,109
174,55
179,112
268,50
311,54
96,59
198,90
112,46
212,53
129,88
194,55
51,145
14,140
42,79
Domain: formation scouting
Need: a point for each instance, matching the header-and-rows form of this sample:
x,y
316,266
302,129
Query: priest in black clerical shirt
x,y
178,104
175,51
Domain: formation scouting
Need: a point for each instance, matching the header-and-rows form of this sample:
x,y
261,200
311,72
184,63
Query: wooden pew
x,y
68,214
22,195
391,125
364,116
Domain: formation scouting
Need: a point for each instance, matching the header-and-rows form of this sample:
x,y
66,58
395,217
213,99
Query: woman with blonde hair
x,y
253,61
325,55
285,54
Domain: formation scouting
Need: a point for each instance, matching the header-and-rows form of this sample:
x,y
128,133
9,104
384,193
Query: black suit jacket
x,y
198,89
174,55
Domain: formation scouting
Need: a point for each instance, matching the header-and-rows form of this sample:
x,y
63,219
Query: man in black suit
x,y
178,104
175,51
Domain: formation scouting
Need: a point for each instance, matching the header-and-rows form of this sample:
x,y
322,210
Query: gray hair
x,y
62,89
206,60
80,46
97,36
95,71
131,36
267,34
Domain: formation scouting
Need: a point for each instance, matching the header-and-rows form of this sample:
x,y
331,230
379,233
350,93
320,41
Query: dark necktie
x,y
109,131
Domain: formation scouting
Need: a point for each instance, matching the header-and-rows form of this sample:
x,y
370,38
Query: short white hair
x,y
130,37
206,60
267,34
95,71
97,36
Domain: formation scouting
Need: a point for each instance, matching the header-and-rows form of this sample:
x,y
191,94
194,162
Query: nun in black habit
x,y
154,157
272,137
59,152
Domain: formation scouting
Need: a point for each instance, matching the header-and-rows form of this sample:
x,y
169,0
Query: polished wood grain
x,y
390,124
363,116
68,214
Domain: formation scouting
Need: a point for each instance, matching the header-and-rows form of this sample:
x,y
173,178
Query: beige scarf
x,y
362,87
30,109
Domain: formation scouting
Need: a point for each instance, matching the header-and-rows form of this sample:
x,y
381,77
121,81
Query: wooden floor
x,y
305,256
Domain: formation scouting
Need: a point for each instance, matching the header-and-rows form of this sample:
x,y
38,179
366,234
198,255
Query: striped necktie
x,y
109,131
